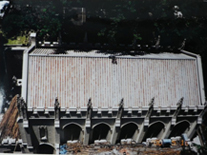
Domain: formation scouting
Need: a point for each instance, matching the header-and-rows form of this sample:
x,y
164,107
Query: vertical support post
x,y
179,106
115,132
145,124
117,124
57,140
87,128
87,131
174,119
167,130
192,130
57,123
142,132
57,109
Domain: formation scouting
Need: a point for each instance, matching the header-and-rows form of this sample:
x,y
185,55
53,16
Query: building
x,y
91,97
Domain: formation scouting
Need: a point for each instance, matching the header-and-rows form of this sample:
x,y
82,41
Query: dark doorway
x,y
154,130
72,132
179,129
45,149
127,131
100,131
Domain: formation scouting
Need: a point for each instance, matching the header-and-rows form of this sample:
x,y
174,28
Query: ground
x,y
136,149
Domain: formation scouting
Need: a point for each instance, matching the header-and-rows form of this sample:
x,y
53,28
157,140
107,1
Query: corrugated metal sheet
x,y
76,79
44,51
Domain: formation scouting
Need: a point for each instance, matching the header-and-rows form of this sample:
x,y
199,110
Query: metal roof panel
x,y
76,79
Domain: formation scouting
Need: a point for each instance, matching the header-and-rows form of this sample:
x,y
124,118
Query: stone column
x,y
142,131
115,131
87,130
192,130
87,127
167,130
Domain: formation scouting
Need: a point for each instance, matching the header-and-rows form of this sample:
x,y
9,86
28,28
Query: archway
x,y
45,149
99,132
154,130
180,128
128,131
72,132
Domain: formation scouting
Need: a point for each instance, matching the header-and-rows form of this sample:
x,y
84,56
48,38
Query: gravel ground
x,y
125,150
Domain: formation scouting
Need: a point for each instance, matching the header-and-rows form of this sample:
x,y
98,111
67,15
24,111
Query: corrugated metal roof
x,y
44,51
76,79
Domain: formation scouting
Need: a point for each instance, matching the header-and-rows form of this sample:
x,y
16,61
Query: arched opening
x,y
72,132
180,128
154,130
45,149
128,131
99,132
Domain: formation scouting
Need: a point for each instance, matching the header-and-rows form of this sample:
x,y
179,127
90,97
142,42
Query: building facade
x,y
93,97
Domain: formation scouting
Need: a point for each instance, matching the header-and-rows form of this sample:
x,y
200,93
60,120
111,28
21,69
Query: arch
x,y
100,131
95,125
70,124
157,122
155,129
45,148
183,122
47,144
180,128
72,131
129,123
124,132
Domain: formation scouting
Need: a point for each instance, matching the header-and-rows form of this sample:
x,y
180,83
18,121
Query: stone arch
x,y
129,123
100,131
101,123
46,148
72,131
156,122
155,129
70,124
124,131
180,128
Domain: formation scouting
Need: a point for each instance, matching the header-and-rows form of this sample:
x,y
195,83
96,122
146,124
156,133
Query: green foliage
x,y
137,37
120,12
43,19
102,32
64,2
116,21
12,25
201,149
19,40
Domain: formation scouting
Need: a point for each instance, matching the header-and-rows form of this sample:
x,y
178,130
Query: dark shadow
x,y
100,132
154,130
60,51
45,149
127,131
179,129
72,132
190,152
11,65
35,142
